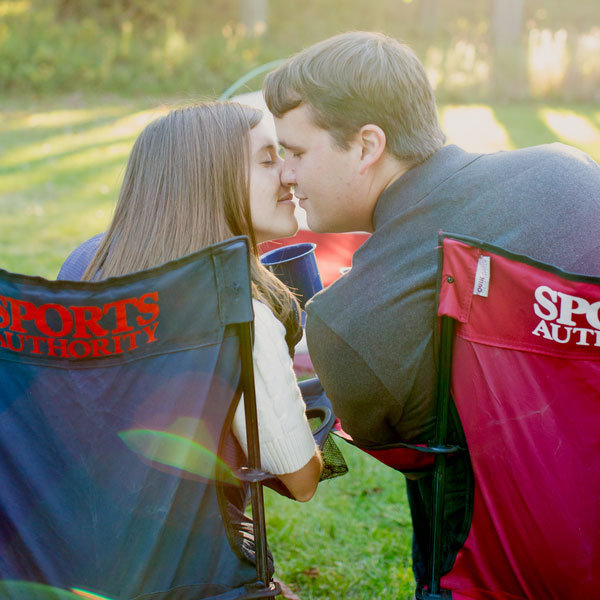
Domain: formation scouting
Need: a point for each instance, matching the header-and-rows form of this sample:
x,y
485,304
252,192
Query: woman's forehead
x,y
263,134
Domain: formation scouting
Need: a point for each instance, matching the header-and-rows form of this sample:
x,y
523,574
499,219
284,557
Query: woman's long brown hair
x,y
186,186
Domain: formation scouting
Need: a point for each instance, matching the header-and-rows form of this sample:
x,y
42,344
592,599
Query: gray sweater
x,y
371,334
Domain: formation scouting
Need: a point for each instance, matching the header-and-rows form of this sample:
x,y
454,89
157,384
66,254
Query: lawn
x,y
61,162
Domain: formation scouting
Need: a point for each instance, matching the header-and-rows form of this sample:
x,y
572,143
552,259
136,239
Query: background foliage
x,y
504,48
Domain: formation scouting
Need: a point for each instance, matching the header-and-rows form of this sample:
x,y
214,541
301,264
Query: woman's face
x,y
271,203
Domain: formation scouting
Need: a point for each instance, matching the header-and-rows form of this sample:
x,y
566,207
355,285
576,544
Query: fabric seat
x,y
525,379
119,476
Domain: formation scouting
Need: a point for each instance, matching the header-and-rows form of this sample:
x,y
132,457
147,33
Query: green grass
x,y
352,540
60,172
61,162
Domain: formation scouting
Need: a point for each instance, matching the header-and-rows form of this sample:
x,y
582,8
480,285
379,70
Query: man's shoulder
x,y
548,169
350,297
568,155
550,155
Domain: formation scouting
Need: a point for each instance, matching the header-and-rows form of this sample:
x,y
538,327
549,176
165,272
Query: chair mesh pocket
x,y
334,464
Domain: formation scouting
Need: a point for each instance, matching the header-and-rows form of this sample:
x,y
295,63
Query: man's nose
x,y
288,175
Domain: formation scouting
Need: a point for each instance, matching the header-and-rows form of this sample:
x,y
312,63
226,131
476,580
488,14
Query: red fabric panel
x,y
302,364
406,460
530,408
479,594
456,292
527,308
333,252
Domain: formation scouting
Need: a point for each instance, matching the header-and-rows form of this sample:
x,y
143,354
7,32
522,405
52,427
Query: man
x,y
364,150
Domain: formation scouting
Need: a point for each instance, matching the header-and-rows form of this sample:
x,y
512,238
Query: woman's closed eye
x,y
269,159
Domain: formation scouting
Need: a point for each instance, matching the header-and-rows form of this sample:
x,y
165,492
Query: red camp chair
x,y
520,358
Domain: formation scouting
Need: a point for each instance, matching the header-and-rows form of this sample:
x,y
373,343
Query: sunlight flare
x,y
475,128
571,127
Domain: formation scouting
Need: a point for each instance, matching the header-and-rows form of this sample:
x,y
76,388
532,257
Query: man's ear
x,y
373,141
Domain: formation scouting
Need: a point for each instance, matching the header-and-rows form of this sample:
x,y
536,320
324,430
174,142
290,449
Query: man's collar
x,y
418,182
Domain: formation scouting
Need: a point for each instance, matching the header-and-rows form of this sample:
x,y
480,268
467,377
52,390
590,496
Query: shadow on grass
x,y
41,226
75,151
39,133
62,183
524,125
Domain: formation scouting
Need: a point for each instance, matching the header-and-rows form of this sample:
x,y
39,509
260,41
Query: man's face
x,y
326,179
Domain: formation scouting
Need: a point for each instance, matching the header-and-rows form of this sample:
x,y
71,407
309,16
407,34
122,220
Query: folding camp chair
x,y
520,359
119,477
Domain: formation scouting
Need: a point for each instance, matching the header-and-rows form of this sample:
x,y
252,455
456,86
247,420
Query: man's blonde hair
x,y
356,78
187,186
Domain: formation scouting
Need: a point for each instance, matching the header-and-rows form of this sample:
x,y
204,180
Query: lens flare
x,y
89,595
178,452
30,590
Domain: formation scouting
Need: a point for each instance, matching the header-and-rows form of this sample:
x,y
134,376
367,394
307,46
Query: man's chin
x,y
320,226
316,227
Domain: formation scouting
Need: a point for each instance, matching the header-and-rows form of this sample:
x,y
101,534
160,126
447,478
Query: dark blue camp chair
x,y
119,477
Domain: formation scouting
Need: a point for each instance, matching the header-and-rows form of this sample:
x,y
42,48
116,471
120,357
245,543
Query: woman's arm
x,y
287,447
302,484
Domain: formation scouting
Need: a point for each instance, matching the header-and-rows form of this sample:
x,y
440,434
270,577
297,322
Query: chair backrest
x,y
115,409
526,383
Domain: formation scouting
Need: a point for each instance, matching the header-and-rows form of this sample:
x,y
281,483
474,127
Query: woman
x,y
195,177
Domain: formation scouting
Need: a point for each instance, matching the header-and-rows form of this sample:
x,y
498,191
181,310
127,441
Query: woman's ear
x,y
372,140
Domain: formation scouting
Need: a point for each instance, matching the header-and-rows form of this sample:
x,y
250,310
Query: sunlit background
x,y
508,48
80,78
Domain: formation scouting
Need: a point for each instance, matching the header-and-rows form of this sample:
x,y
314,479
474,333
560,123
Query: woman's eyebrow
x,y
287,146
269,146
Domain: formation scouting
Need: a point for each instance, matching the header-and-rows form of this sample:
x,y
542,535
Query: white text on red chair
x,y
563,316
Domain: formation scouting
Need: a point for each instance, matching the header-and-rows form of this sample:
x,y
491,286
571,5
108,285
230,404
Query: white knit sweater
x,y
286,441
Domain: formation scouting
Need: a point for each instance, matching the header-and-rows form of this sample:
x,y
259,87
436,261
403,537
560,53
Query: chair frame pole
x,y
439,473
256,489
236,85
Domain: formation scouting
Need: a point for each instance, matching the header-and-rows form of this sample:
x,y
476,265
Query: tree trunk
x,y
509,60
427,18
254,16
425,27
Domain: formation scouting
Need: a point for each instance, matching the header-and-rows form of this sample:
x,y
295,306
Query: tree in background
x,y
253,15
509,57
472,50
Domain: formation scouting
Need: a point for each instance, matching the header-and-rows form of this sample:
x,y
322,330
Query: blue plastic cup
x,y
296,266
